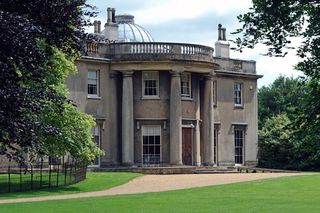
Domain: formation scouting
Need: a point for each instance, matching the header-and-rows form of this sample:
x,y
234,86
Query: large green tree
x,y
38,40
276,23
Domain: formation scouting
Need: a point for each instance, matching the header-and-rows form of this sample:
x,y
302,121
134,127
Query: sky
x,y
190,21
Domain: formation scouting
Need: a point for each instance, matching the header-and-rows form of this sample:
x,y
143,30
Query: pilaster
x,y
175,119
127,119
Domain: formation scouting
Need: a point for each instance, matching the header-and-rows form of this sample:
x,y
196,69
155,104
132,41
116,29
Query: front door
x,y
187,146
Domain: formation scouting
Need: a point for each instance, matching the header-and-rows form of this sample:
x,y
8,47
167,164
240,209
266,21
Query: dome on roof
x,y
128,31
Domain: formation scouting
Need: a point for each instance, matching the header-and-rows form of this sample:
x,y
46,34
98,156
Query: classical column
x,y
208,123
197,159
196,138
127,119
175,120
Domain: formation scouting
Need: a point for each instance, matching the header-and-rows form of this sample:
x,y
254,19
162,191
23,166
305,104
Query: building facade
x,y
166,103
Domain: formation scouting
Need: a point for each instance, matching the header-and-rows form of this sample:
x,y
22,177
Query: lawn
x,y
95,181
288,194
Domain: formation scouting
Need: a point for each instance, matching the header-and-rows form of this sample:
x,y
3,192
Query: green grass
x,y
289,194
95,181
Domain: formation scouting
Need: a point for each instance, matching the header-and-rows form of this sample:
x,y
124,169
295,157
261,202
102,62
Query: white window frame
x,y
144,96
143,128
242,147
97,79
96,131
238,94
188,85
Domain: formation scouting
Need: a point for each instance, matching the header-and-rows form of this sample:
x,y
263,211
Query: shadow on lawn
x,y
40,192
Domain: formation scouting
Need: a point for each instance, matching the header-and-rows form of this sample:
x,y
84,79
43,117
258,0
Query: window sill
x,y
150,98
238,107
94,97
186,99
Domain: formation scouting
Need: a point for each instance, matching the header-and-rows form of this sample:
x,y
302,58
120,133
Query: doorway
x,y
187,141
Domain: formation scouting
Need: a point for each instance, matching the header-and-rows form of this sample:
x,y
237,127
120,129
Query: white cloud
x,y
156,12
271,68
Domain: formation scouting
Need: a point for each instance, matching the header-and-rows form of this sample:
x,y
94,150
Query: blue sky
x,y
190,21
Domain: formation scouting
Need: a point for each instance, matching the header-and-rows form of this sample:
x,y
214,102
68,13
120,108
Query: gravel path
x,y
158,183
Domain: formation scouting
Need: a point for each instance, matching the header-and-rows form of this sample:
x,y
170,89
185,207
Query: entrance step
x,y
215,170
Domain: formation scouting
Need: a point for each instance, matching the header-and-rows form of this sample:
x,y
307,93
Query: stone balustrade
x,y
150,51
153,51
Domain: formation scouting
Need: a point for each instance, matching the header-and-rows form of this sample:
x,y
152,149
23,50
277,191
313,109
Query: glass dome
x,y
128,31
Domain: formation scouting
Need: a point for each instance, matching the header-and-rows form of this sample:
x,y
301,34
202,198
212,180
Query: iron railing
x,y
15,177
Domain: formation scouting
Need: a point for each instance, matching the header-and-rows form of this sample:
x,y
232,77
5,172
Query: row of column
x,y
175,122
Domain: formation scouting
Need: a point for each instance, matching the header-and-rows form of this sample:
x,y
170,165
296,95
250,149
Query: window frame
x,y
143,127
242,147
215,144
144,96
215,93
236,93
189,86
97,79
96,129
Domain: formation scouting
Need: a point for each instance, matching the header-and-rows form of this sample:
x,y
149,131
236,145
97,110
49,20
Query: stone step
x,y
214,171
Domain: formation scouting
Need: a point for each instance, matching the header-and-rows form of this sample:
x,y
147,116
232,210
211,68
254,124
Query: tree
x,y
274,23
282,96
32,35
276,147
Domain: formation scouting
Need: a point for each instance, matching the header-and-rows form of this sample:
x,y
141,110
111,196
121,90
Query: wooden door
x,y
187,146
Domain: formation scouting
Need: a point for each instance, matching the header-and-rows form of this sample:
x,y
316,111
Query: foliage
x,y
276,23
74,126
31,32
275,143
282,96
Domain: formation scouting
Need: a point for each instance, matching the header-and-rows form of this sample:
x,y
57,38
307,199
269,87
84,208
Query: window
x,y
186,85
150,84
215,145
151,144
237,94
93,82
96,138
215,93
238,146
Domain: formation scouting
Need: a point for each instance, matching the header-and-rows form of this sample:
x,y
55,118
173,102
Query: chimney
x,y
97,26
222,46
109,15
113,16
111,27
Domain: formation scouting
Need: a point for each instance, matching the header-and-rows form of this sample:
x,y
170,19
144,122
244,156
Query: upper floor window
x,y
238,94
93,82
186,84
215,93
150,84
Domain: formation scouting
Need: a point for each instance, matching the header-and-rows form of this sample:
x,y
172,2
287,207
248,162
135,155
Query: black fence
x,y
16,177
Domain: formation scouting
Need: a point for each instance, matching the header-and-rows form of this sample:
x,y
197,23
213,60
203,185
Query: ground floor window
x,y
96,138
215,145
238,145
151,144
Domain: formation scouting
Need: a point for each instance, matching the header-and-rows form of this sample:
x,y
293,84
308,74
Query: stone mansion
x,y
158,103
